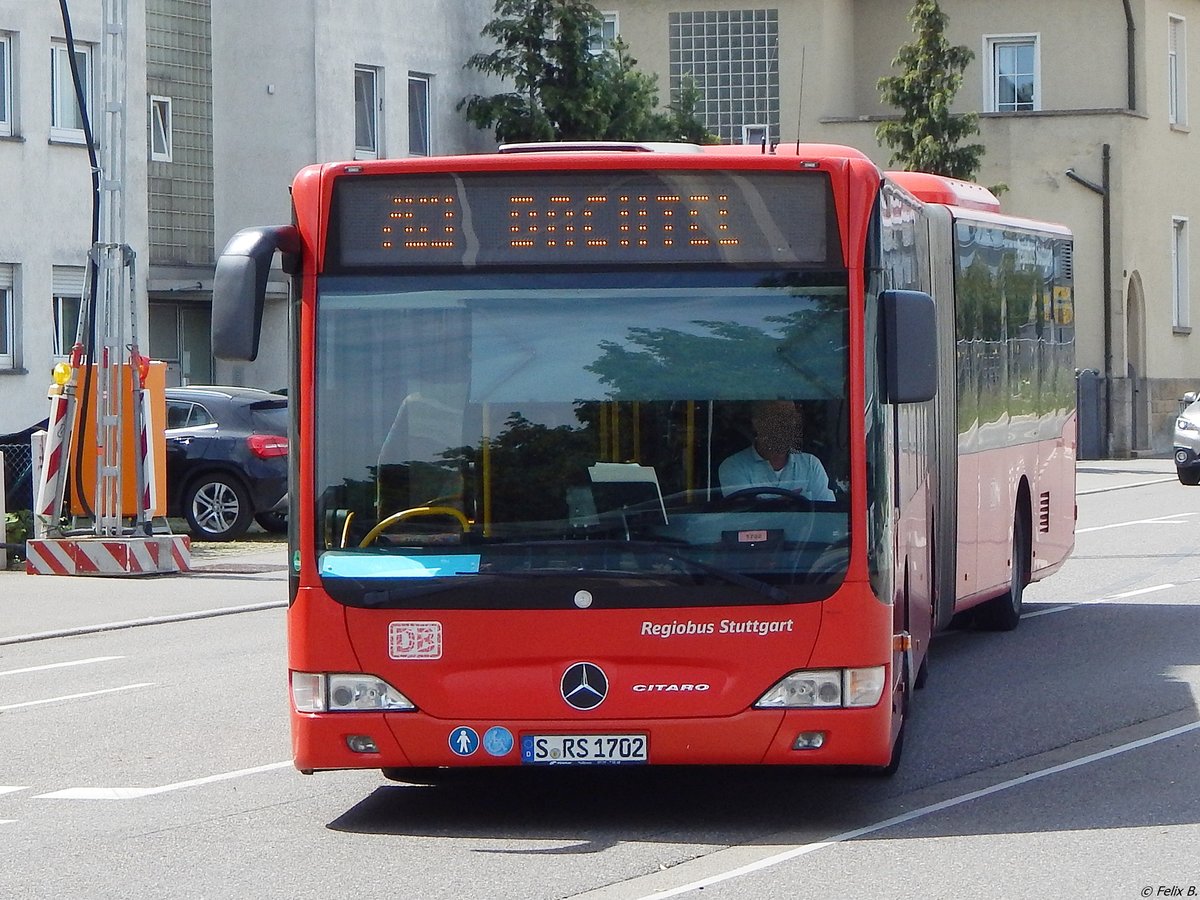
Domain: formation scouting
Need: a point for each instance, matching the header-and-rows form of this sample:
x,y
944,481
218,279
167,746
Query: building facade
x,y
225,103
1060,105
46,188
231,114
339,79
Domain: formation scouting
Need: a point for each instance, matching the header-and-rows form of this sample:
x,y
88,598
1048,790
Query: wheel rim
x,y
215,507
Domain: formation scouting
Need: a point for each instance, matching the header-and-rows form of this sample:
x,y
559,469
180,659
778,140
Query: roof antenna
x,y
800,102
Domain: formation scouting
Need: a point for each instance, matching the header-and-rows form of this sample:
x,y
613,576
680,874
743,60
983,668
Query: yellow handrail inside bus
x,y
346,527
411,513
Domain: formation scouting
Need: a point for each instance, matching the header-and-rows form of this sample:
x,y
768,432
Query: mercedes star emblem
x,y
584,685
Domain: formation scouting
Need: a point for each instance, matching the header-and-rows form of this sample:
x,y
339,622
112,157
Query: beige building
x,y
1061,86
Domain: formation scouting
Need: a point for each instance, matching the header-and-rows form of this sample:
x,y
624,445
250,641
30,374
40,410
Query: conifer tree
x,y
928,137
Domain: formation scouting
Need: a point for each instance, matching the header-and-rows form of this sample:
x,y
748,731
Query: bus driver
x,y
774,460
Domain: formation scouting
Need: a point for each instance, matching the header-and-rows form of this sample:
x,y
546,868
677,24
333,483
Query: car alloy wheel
x,y
217,508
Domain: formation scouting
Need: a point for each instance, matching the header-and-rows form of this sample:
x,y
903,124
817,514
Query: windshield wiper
x,y
683,564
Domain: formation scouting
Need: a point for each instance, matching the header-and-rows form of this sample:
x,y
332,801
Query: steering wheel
x,y
798,500
411,513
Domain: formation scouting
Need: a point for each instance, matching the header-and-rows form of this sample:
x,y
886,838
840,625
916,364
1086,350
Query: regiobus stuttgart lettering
x,y
687,628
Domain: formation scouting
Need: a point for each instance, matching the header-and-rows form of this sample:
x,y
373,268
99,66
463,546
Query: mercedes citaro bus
x,y
516,380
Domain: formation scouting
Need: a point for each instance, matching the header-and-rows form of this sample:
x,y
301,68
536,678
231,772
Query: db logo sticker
x,y
415,640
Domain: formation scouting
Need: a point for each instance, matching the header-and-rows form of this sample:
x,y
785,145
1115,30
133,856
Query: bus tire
x,y
1003,613
922,672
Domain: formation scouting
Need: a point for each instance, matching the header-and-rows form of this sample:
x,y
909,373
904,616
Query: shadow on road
x,y
993,699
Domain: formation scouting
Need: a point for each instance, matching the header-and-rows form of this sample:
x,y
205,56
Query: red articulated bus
x,y
666,454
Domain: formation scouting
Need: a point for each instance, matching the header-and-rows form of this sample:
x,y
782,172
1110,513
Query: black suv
x,y
227,460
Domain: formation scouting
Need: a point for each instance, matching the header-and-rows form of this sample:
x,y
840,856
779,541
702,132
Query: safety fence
x,y
18,475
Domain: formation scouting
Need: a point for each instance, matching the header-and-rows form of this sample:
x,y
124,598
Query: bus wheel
x,y
893,764
897,751
1004,612
922,672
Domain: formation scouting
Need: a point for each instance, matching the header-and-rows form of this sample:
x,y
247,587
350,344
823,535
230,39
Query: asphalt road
x,y
152,760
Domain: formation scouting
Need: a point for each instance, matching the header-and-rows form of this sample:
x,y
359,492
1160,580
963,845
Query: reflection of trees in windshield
x,y
659,386
805,357
530,466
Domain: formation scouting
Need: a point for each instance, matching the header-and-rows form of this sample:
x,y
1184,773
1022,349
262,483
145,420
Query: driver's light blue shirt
x,y
802,473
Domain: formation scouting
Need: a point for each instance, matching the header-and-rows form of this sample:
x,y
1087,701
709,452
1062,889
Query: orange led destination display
x,y
581,218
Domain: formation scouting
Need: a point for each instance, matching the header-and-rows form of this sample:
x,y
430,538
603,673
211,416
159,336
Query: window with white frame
x,y
66,120
1176,71
6,101
161,141
67,286
1013,82
418,115
1181,315
607,35
756,135
8,319
367,106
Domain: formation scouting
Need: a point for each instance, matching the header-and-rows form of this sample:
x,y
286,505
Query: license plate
x,y
583,749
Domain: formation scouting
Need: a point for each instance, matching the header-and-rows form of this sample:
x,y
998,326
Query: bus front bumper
x,y
373,740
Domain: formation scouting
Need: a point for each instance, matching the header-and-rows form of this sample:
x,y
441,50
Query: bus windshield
x,y
625,437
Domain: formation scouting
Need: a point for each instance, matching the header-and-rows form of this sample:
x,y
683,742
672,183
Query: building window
x,y
8,319
160,129
732,58
6,113
418,115
1176,72
1014,73
756,135
1181,316
67,284
367,106
607,35
66,121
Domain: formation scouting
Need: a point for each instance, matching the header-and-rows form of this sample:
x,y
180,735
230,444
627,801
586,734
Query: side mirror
x,y
240,288
909,320
1190,397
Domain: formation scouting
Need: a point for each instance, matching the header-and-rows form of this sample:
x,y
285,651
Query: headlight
x,y
1186,424
825,688
804,689
318,692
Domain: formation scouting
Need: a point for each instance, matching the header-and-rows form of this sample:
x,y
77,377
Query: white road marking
x,y
126,687
1126,595
7,821
1121,487
804,849
10,788
1173,519
137,623
134,793
61,665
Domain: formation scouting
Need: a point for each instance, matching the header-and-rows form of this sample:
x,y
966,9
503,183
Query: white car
x,y
1187,440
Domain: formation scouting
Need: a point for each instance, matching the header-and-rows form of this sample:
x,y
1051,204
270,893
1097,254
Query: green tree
x,y
561,90
927,137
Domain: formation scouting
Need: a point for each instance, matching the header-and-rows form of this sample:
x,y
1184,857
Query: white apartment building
x,y
46,189
1056,83
227,101
338,79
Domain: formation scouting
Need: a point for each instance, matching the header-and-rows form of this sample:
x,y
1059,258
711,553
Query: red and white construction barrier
x,y
159,554
52,476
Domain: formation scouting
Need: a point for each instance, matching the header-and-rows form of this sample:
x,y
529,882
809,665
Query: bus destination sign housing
x,y
551,218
